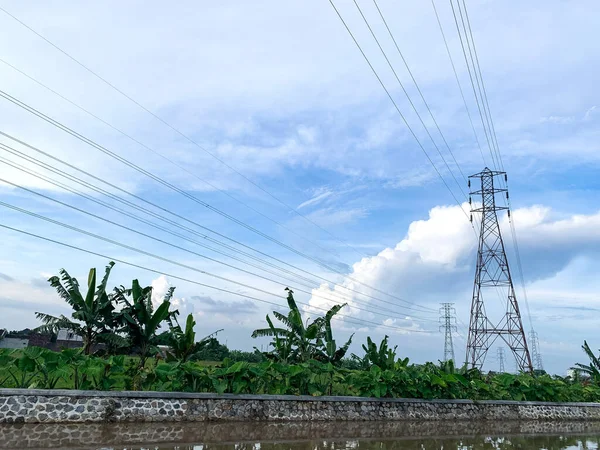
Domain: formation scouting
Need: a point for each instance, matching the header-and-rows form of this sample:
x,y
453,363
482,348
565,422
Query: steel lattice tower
x,y
500,352
536,356
448,320
492,273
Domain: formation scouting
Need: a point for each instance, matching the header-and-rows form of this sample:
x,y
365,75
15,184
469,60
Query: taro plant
x,y
19,367
50,366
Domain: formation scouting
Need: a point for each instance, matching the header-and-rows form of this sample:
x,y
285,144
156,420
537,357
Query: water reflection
x,y
421,435
483,442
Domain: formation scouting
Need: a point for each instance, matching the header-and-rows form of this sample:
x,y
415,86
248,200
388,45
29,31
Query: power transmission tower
x,y
500,352
536,356
448,319
493,273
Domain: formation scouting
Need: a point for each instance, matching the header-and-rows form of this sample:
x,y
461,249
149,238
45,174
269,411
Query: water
x,y
306,436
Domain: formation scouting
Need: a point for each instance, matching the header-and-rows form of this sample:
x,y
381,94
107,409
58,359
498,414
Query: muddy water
x,y
306,436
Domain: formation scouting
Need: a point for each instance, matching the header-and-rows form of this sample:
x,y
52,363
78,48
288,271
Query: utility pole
x,y
536,356
492,273
500,351
448,319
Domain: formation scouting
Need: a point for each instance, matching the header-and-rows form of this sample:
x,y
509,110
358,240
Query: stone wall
x,y
62,406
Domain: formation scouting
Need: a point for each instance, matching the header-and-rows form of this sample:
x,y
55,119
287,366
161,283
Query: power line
x,y
408,96
103,192
416,85
128,214
479,82
494,138
156,178
485,97
501,164
115,197
166,158
339,316
104,219
169,185
179,132
481,114
462,94
131,205
162,120
397,108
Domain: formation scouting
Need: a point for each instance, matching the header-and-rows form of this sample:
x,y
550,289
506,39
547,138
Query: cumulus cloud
x,y
435,261
160,287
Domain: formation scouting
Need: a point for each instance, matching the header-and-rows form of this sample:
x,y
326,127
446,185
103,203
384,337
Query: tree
x,y
138,320
93,315
298,342
383,357
327,345
212,350
593,368
182,343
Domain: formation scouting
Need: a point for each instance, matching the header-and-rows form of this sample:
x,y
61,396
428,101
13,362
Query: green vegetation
x,y
93,315
41,368
303,357
298,343
591,370
138,321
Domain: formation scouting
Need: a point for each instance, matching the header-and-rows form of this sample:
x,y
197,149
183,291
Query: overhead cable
x,y
340,316
179,132
186,219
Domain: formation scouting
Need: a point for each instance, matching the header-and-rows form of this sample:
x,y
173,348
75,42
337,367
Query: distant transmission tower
x,y
536,356
448,319
492,273
501,359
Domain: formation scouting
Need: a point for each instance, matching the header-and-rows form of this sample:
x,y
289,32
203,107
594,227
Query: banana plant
x,y
282,345
593,368
329,352
92,315
182,343
383,357
138,319
296,342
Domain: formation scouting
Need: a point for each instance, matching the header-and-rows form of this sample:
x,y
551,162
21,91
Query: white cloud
x,y
590,112
561,120
434,263
251,84
160,287
331,217
281,93
320,195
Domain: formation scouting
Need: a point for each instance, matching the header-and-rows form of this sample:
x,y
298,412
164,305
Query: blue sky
x,y
281,93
